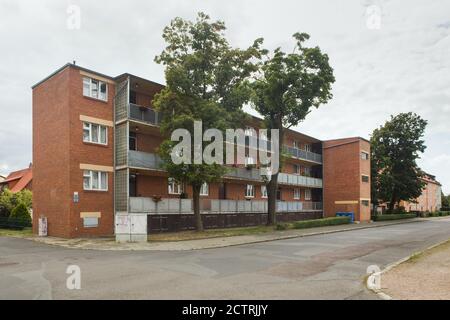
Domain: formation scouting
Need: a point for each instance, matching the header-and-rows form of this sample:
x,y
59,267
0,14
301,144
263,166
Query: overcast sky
x,y
388,56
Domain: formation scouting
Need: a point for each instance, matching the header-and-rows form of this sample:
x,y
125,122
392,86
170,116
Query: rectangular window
x,y
297,169
364,155
250,191
296,144
95,133
175,187
90,222
307,194
95,180
297,194
307,171
249,161
365,203
95,89
204,191
263,191
365,178
132,141
307,147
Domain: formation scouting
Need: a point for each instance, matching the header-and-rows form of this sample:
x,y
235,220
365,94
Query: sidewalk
x,y
110,244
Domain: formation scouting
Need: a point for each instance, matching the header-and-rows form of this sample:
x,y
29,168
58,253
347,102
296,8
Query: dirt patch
x,y
425,276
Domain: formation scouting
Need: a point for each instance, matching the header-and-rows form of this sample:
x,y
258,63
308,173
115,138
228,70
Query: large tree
x,y
287,88
395,147
206,80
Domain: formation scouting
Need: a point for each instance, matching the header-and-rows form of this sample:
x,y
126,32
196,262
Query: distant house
x,y
430,199
2,178
18,180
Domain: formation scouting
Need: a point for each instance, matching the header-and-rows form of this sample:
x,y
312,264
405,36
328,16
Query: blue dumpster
x,y
346,214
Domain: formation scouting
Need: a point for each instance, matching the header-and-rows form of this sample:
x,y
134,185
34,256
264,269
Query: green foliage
x,y
445,200
386,217
395,147
285,91
9,200
321,222
21,214
206,80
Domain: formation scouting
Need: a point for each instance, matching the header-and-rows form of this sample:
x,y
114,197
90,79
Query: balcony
x,y
144,114
216,206
303,155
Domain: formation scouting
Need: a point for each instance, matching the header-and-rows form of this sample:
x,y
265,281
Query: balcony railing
x,y
144,114
145,160
138,159
302,154
185,206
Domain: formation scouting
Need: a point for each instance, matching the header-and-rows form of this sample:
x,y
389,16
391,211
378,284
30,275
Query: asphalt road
x,y
331,266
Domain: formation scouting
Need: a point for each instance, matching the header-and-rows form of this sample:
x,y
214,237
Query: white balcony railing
x,y
185,206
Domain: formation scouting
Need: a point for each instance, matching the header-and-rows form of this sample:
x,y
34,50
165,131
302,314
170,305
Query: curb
x,y
380,292
369,226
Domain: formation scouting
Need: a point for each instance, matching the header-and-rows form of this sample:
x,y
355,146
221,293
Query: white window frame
x,y
264,193
87,126
307,171
174,187
204,190
249,191
249,131
297,169
364,155
101,175
308,194
297,194
307,147
296,144
90,222
249,161
89,81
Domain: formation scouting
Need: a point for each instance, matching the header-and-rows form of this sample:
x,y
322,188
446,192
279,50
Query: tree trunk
x,y
392,202
272,188
197,215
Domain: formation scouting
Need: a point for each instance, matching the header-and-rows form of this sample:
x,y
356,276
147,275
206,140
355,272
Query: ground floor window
x,y
175,187
297,194
263,191
365,203
250,191
95,180
90,222
204,191
307,194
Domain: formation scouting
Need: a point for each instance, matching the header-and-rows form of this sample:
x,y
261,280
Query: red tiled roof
x,y
24,176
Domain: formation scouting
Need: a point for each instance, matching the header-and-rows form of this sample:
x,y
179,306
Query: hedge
x,y
14,223
314,223
385,217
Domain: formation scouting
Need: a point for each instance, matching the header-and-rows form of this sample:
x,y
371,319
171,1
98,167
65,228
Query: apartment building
x,y
97,172
431,198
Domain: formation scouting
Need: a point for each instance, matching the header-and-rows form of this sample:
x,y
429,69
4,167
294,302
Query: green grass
x,y
315,223
26,232
388,217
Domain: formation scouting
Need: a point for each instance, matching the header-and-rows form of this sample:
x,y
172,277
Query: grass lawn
x,y
27,232
211,233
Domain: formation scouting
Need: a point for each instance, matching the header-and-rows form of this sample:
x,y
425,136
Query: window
x,y
297,194
95,180
296,144
263,191
297,169
95,133
250,191
307,171
365,178
307,147
132,141
90,222
204,191
175,187
307,194
364,155
95,89
365,203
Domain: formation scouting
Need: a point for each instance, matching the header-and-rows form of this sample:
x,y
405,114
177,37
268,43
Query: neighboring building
x,y
430,199
346,177
96,171
18,180
2,178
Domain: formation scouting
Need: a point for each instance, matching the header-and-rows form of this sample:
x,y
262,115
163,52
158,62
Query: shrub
x,y
321,222
385,217
282,226
21,215
9,200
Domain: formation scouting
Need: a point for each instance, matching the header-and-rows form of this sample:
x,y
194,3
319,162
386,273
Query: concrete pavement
x,y
328,266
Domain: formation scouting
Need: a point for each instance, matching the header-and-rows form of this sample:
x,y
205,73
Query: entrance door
x,y
222,191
